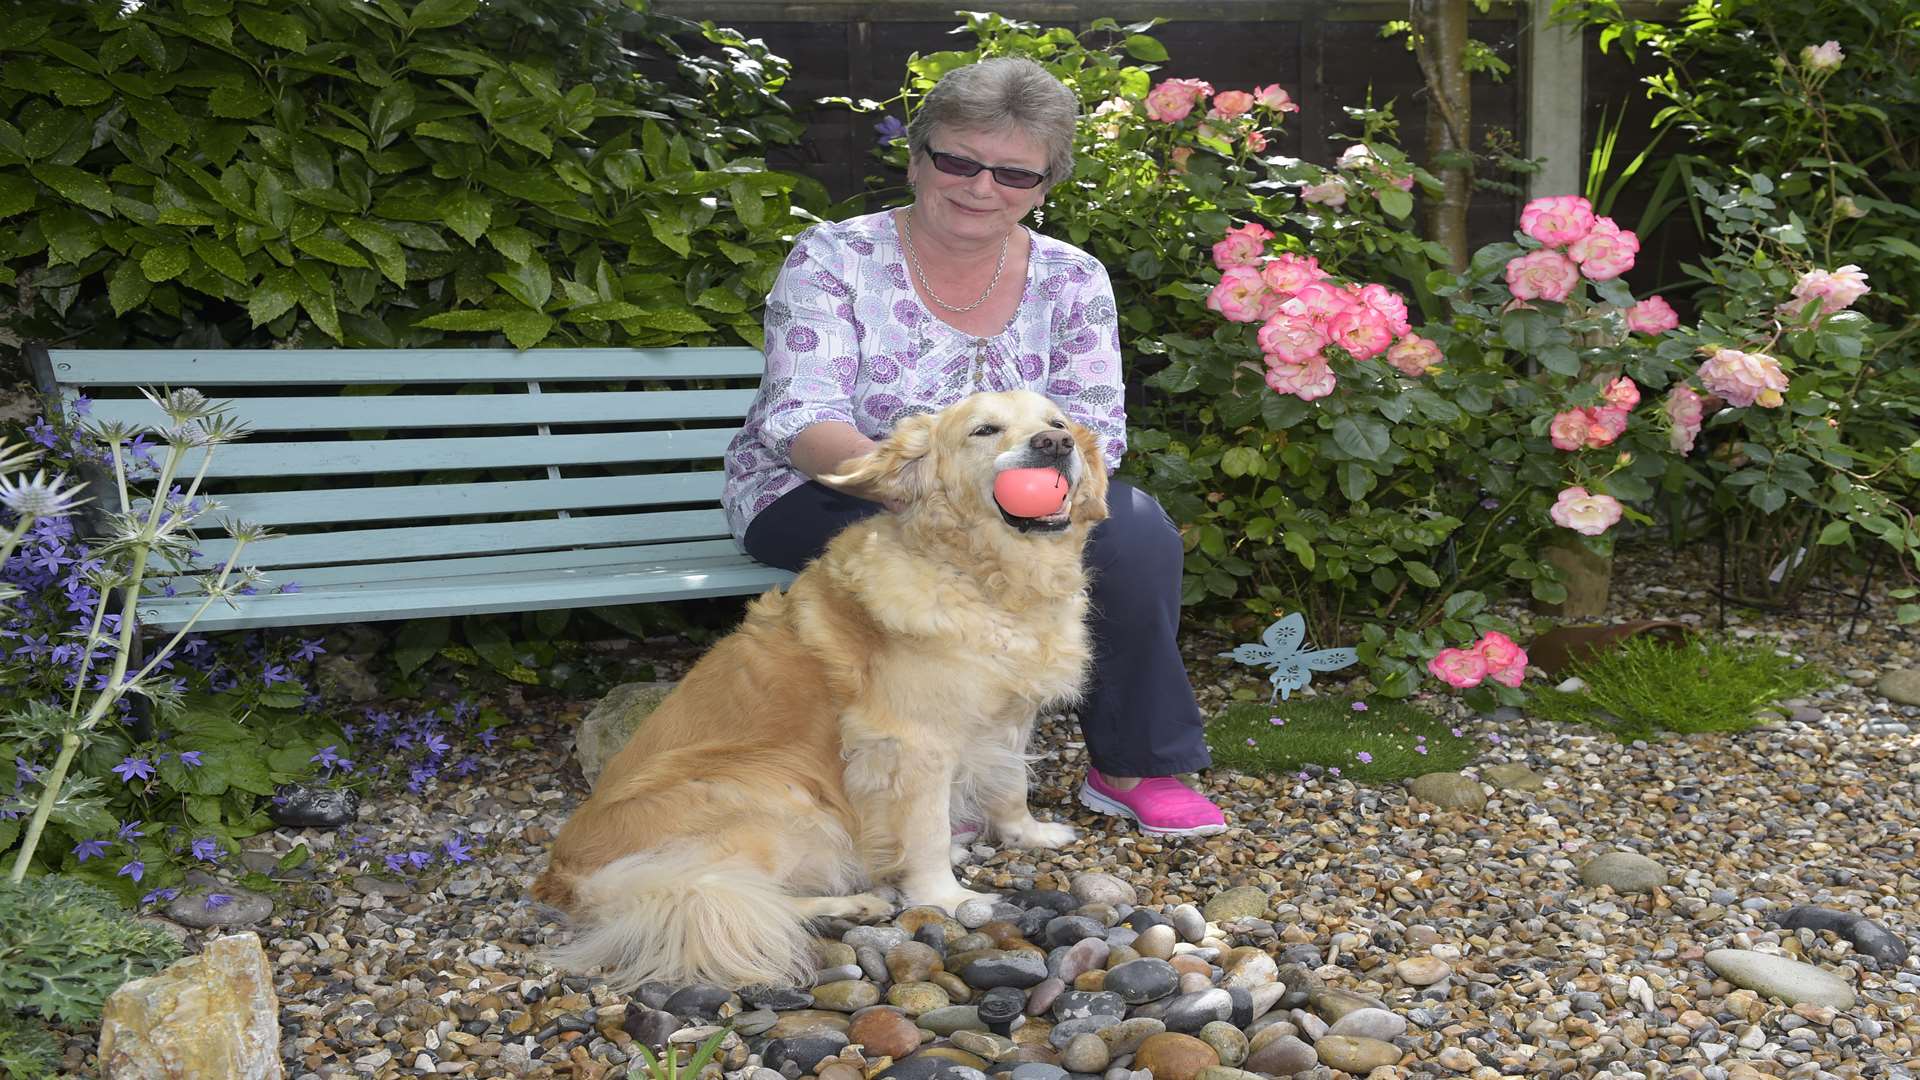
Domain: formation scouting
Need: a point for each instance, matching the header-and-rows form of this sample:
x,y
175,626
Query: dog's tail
x,y
680,917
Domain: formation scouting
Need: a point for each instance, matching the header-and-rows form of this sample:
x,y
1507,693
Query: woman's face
x,y
976,207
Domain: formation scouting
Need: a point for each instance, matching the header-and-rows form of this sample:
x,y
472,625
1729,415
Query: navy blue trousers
x,y
1139,715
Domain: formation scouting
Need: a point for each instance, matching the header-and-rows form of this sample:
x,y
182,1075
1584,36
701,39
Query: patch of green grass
x,y
1389,740
1647,686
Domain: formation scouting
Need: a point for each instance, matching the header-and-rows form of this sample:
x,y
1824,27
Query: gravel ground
x,y
1472,931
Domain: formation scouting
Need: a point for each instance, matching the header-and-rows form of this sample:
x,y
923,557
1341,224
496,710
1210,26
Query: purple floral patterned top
x,y
848,339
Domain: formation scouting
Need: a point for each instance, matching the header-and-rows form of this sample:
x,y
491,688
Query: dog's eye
x,y
1061,424
987,429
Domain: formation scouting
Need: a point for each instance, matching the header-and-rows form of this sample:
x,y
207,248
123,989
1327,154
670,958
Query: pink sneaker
x,y
1161,804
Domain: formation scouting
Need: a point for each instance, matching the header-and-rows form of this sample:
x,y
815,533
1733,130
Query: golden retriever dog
x,y
819,751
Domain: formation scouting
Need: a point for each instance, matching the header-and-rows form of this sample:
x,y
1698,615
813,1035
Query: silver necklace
x,y
906,236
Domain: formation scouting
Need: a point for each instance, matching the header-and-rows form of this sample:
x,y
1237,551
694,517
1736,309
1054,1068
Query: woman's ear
x,y
1090,498
895,472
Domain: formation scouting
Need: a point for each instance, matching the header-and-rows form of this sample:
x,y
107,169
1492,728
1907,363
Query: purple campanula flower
x,y
167,893
129,832
134,869
133,767
488,738
327,758
457,851
308,650
397,863
89,849
890,129
434,744
190,758
207,849
216,900
419,859
275,673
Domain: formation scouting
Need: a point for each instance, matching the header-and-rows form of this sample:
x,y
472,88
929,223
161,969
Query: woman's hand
x,y
820,449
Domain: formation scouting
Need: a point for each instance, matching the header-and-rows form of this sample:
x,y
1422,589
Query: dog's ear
x,y
895,472
1090,498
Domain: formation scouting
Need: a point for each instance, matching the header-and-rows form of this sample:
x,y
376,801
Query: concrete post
x,y
1555,88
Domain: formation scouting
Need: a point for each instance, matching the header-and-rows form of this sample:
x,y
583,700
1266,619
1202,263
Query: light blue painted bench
x,y
461,481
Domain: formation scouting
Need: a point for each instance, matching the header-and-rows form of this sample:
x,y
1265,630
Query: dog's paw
x,y
1039,834
952,900
958,853
867,907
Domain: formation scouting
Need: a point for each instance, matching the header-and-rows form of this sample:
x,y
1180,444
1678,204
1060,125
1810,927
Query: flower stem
x,y
49,793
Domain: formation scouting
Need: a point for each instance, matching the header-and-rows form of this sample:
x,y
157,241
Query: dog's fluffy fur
x,y
819,750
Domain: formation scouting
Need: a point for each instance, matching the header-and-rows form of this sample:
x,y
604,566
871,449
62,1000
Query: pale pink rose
x,y
1823,57
1652,316
1685,411
1242,246
1292,340
1331,192
1606,251
1228,104
1240,295
1414,356
1288,273
1362,331
1835,291
1589,515
1461,669
1506,661
1621,394
1604,425
1542,275
1358,156
1274,98
1256,142
1171,101
1319,302
1180,154
1557,220
1308,381
1744,378
1569,429
1388,304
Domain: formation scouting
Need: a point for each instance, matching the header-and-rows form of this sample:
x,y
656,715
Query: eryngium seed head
x,y
38,497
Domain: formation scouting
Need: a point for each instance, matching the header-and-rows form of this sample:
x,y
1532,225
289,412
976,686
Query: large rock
x,y
1246,901
1777,976
608,727
1624,872
1900,685
208,1017
1449,791
1868,937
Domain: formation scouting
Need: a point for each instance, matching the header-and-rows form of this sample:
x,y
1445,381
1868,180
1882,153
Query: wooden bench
x,y
457,481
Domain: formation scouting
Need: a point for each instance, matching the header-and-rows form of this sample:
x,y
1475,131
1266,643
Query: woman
x,y
908,311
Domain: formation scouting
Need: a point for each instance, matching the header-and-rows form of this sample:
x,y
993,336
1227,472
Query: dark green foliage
x,y
1646,686
27,1050
339,172
1329,733
65,946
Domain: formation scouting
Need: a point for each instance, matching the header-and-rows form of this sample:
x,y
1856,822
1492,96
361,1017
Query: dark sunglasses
x,y
955,165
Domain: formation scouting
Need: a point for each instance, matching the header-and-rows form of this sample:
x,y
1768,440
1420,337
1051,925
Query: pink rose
x,y
1506,661
1569,429
1834,291
1652,316
1458,668
1228,104
1362,331
1180,154
1621,394
1358,156
1240,296
1242,246
1319,301
1308,381
1604,425
1744,378
1685,411
1290,339
1557,220
1388,304
1589,515
1414,356
1823,57
1331,192
1256,142
1606,251
1288,273
1542,275
1172,100
1274,98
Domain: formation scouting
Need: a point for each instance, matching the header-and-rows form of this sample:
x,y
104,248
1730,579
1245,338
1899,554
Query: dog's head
x,y
948,461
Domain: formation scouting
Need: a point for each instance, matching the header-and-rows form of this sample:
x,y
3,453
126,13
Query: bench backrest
x,y
443,453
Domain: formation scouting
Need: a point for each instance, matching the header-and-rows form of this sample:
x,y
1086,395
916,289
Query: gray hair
x,y
1005,93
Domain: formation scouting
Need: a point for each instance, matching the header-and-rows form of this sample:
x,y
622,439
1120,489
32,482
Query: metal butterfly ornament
x,y
1293,666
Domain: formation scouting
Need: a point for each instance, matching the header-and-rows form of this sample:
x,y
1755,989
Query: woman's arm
x,y
806,398
1090,389
822,447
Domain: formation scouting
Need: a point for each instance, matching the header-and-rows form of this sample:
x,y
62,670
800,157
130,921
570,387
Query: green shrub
x,y
66,945
1647,686
27,1050
1396,739
340,172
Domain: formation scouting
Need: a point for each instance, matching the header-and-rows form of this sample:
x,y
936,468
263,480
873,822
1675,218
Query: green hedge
x,y
387,173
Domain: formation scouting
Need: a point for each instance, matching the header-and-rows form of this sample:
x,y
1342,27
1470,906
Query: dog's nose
x,y
1053,441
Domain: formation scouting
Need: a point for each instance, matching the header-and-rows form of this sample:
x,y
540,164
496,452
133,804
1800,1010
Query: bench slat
x,y
312,507
204,368
456,410
532,591
586,560
434,541
370,456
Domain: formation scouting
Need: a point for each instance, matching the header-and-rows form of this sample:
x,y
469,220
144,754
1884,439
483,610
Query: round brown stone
x,y
1171,1056
1005,935
912,961
884,1033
